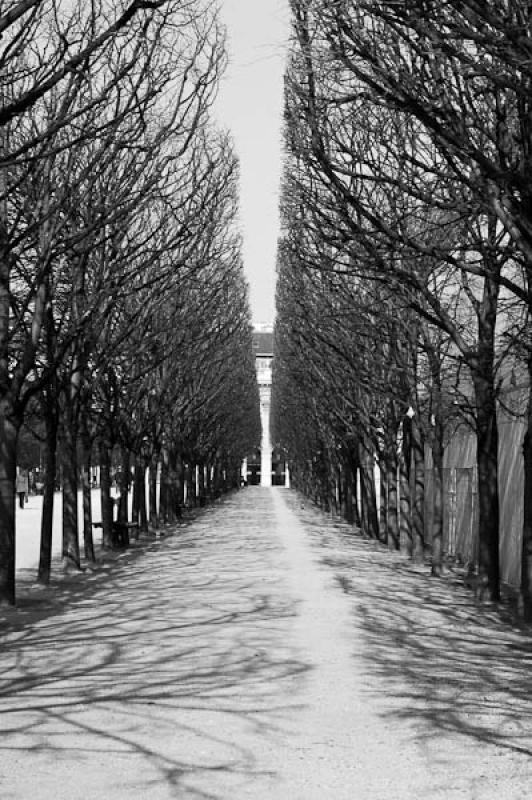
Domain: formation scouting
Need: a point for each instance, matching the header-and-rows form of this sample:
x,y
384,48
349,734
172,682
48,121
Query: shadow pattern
x,y
446,664
169,666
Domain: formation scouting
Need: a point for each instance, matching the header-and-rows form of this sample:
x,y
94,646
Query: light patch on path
x,y
262,652
339,747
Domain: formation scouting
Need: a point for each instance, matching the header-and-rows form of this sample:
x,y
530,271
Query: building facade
x,y
264,467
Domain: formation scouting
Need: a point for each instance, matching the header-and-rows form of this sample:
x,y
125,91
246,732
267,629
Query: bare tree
x,y
98,90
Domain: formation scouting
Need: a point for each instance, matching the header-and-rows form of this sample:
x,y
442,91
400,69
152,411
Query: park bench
x,y
119,533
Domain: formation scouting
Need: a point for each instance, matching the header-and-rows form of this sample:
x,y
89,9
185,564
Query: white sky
x,y
250,105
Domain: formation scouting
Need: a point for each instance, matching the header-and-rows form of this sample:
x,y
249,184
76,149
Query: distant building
x,y
264,466
263,346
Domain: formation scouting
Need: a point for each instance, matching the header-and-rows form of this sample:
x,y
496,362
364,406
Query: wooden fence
x,y
460,519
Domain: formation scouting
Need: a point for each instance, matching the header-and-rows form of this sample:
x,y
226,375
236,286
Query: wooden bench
x,y
119,533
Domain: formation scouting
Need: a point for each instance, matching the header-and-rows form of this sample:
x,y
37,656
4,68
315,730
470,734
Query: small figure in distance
x,y
22,487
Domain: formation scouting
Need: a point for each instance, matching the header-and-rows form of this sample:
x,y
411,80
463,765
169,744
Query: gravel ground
x,y
28,521
261,651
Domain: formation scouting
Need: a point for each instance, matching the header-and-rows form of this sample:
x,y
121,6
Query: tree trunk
x,y
437,502
135,499
217,481
9,424
164,490
201,484
9,428
338,492
193,494
50,408
347,492
88,541
405,503
418,505
123,485
488,489
105,494
208,482
383,503
368,498
354,484
179,477
482,369
154,516
435,437
174,488
526,560
70,551
139,495
51,420
391,511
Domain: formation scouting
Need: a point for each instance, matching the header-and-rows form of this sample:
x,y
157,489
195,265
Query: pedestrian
x,y
22,487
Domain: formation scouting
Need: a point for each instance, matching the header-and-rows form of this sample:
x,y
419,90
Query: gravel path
x,y
262,651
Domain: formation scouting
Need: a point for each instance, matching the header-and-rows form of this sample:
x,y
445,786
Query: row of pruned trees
x,y
404,291
124,319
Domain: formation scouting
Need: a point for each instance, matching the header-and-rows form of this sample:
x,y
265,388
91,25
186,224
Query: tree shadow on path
x,y
435,659
169,668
